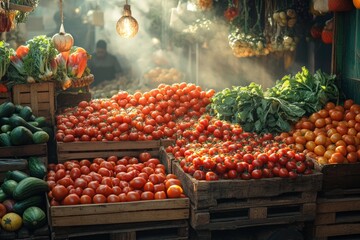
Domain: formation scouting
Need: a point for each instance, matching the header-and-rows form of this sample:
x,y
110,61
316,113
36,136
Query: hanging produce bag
x,y
333,5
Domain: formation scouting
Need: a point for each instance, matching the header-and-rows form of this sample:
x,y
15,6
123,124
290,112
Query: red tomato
x,y
144,156
75,173
283,172
89,191
85,162
60,173
172,181
211,176
80,182
66,181
59,192
112,198
99,198
149,186
160,195
93,184
104,190
71,199
133,196
147,195
137,182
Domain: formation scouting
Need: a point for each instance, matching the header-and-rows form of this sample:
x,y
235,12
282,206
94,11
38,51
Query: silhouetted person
x,y
104,65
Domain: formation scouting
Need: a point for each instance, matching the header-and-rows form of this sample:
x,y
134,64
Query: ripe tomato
x,y
137,182
71,199
99,198
256,174
75,173
172,181
59,192
104,190
199,175
147,195
174,191
112,198
160,195
133,196
283,173
211,176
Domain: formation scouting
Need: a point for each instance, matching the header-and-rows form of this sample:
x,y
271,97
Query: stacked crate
x,y
235,204
338,204
159,219
39,96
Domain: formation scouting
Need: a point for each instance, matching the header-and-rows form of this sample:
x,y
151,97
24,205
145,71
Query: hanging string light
x,y
127,26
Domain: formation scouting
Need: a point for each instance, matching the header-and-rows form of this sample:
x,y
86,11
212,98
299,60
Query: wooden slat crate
x,y
77,150
65,99
39,96
23,151
174,230
42,233
283,209
337,177
125,212
11,165
207,194
155,214
337,217
5,97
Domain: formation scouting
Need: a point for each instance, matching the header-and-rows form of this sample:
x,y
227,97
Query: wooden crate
x,y
175,230
23,151
78,150
208,194
39,96
115,213
11,165
70,99
337,217
145,215
283,209
5,97
42,233
337,177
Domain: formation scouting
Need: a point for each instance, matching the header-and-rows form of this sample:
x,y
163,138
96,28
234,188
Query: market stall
x,y
227,129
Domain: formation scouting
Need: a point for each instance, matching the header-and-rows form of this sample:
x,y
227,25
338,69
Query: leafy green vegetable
x,y
277,108
5,53
38,62
310,92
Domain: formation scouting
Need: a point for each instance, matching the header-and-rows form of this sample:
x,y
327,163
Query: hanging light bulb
x,y
127,26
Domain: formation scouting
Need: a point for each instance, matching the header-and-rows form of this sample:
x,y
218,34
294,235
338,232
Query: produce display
x,y
19,126
111,180
39,61
330,135
5,53
107,89
163,75
139,116
22,198
275,109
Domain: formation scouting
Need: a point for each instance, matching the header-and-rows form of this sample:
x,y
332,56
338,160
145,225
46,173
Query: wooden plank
x,y
5,97
90,209
258,213
339,176
13,164
337,230
85,146
325,218
121,217
39,96
148,228
24,150
205,194
69,99
338,205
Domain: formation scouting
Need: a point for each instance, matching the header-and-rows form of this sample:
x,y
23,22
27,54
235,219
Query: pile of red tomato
x,y
140,116
111,180
223,150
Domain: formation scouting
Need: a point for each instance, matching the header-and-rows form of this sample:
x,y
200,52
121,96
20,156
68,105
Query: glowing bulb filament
x,y
127,26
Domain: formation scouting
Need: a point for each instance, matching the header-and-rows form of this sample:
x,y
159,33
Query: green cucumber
x,y
20,136
34,218
16,175
7,109
5,140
